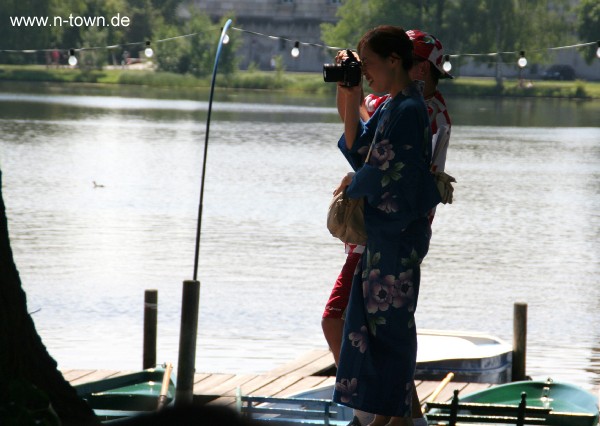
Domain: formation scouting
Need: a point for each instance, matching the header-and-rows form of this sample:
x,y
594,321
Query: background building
x,y
292,19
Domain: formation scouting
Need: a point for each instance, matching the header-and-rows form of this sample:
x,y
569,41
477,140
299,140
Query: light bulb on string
x,y
148,51
72,58
447,66
522,62
598,50
225,38
296,50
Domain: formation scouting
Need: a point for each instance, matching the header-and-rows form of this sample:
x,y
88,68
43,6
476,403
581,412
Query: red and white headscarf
x,y
430,48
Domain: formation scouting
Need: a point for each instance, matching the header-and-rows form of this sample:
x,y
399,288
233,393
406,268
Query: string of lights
x,y
522,60
295,51
296,42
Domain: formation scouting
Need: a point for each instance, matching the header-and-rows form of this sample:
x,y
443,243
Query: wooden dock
x,y
309,371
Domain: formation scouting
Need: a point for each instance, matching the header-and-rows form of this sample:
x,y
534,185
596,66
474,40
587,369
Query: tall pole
x,y
188,332
210,101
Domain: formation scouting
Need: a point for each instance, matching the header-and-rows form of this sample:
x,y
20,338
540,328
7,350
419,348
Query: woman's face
x,y
376,70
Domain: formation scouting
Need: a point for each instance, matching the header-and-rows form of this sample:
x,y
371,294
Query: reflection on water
x,y
525,112
524,228
235,105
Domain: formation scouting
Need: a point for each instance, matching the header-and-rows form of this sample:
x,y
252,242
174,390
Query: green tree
x,y
144,17
588,26
170,54
356,17
168,9
19,37
464,26
195,54
93,58
353,22
202,46
64,36
496,26
147,15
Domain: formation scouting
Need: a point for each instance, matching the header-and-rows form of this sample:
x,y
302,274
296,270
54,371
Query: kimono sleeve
x,y
396,181
357,154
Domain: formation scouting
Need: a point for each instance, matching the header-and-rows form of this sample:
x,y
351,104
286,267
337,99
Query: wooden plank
x,y
96,375
317,381
426,388
229,387
318,366
252,386
448,392
302,385
71,375
464,388
474,387
303,361
277,386
198,377
207,385
329,381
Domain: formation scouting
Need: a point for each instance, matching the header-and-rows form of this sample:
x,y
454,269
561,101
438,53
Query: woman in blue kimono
x,y
391,155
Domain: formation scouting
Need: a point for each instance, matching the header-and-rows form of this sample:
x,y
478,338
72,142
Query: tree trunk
x,y
23,356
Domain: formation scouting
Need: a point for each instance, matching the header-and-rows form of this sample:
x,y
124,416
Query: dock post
x,y
519,342
150,327
184,392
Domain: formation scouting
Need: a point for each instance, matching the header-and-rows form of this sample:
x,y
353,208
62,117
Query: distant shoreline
x,y
292,82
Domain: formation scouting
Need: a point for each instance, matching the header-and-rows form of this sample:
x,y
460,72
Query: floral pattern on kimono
x,y
379,349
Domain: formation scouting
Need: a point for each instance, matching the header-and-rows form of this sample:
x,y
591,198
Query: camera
x,y
348,72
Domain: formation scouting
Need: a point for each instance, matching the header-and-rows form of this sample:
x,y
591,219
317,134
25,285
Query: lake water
x,y
524,227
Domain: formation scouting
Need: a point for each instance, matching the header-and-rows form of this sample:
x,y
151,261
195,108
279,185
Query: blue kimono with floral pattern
x,y
379,349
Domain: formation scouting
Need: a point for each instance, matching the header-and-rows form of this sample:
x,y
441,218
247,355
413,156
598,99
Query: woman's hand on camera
x,y
342,55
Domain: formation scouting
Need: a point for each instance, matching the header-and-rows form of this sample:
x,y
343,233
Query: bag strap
x,y
371,148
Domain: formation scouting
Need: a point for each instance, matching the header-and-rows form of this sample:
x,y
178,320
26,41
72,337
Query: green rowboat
x,y
130,394
543,402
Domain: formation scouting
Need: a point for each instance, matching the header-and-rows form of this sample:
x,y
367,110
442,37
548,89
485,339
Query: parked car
x,y
559,72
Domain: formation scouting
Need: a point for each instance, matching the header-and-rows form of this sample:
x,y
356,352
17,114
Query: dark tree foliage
x,y
31,387
588,26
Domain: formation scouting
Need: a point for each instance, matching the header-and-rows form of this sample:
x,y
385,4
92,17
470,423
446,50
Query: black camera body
x,y
349,72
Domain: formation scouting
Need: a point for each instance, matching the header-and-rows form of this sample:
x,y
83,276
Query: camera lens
x,y
333,73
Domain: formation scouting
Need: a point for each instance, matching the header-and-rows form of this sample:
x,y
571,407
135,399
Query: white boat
x,y
472,357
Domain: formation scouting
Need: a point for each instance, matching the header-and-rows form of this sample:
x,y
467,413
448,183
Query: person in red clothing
x,y
428,59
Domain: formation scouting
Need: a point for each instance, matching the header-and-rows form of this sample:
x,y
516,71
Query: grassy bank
x,y
290,81
470,86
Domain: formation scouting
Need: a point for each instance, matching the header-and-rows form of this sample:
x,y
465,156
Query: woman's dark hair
x,y
388,40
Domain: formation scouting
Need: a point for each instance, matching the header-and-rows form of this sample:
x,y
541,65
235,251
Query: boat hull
x,y
471,357
127,395
569,404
